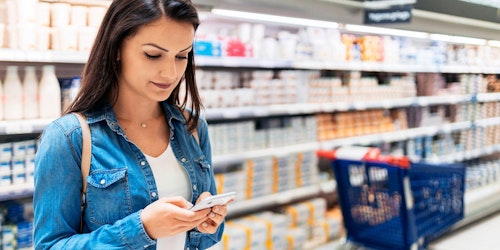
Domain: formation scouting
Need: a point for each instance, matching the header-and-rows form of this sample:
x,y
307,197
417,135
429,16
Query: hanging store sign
x,y
397,14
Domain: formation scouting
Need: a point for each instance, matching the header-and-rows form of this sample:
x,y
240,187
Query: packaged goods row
x,y
38,93
43,25
225,89
299,226
72,27
16,225
275,132
17,162
269,175
264,133
30,98
229,38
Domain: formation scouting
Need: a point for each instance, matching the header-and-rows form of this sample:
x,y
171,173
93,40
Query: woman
x,y
147,169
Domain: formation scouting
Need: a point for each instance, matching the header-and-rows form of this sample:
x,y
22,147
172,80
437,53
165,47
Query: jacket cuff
x,y
135,239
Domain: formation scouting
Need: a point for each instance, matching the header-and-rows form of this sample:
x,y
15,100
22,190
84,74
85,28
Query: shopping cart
x,y
390,203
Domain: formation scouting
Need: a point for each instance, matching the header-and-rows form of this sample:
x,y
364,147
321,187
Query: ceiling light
x,y
386,3
275,19
386,31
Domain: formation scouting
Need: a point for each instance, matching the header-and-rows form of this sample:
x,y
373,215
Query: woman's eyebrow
x,y
166,50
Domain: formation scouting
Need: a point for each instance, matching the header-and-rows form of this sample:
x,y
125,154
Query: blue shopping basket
x,y
390,203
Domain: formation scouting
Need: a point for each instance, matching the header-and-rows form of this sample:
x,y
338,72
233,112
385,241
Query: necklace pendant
x,y
143,125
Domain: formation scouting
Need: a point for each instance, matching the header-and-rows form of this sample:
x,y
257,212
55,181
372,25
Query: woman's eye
x,y
182,57
152,57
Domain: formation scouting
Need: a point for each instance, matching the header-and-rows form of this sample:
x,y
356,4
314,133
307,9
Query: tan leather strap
x,y
86,149
85,164
195,132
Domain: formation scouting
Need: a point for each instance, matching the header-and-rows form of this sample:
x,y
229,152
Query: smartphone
x,y
211,201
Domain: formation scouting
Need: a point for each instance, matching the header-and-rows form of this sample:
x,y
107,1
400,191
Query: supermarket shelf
x,y
16,191
16,55
37,125
487,122
241,62
23,126
488,97
313,108
388,67
240,207
400,135
35,56
470,154
222,160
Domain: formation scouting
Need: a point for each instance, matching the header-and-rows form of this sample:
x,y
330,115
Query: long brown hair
x,y
122,19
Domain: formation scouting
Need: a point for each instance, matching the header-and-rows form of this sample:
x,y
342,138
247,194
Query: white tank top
x,y
171,180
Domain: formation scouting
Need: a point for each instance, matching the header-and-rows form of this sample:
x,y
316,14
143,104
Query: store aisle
x,y
483,235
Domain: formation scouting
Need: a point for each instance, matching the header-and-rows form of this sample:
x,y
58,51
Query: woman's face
x,y
154,59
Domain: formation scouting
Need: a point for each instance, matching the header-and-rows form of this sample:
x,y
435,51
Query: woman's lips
x,y
162,85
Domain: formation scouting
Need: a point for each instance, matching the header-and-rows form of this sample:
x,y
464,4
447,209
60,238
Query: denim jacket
x,y
120,183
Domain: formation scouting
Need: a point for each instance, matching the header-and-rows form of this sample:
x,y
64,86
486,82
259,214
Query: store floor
x,y
482,235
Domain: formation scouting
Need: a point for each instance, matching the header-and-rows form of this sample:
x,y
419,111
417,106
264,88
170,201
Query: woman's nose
x,y
169,71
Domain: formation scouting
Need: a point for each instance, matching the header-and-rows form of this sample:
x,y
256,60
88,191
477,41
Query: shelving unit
x,y
16,191
479,203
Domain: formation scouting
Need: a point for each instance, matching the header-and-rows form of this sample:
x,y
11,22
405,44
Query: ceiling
x,y
451,17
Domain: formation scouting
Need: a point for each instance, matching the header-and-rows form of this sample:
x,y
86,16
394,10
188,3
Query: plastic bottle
x,y
30,91
13,91
50,94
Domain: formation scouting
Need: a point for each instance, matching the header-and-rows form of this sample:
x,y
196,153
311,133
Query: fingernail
x,y
216,209
212,215
204,224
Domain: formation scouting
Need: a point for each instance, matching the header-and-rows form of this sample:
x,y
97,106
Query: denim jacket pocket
x,y
108,196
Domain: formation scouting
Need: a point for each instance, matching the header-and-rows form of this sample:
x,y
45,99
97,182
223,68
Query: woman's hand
x,y
214,218
170,216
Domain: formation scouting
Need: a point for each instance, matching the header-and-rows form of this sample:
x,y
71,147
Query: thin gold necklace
x,y
142,124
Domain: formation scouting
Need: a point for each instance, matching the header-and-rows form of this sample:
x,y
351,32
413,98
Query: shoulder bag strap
x,y
195,132
86,155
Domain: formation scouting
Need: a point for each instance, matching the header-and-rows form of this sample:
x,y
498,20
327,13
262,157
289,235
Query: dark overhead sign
x,y
397,14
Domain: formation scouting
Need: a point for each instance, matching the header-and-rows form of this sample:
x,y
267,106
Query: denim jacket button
x,y
194,187
103,181
143,163
153,194
183,159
